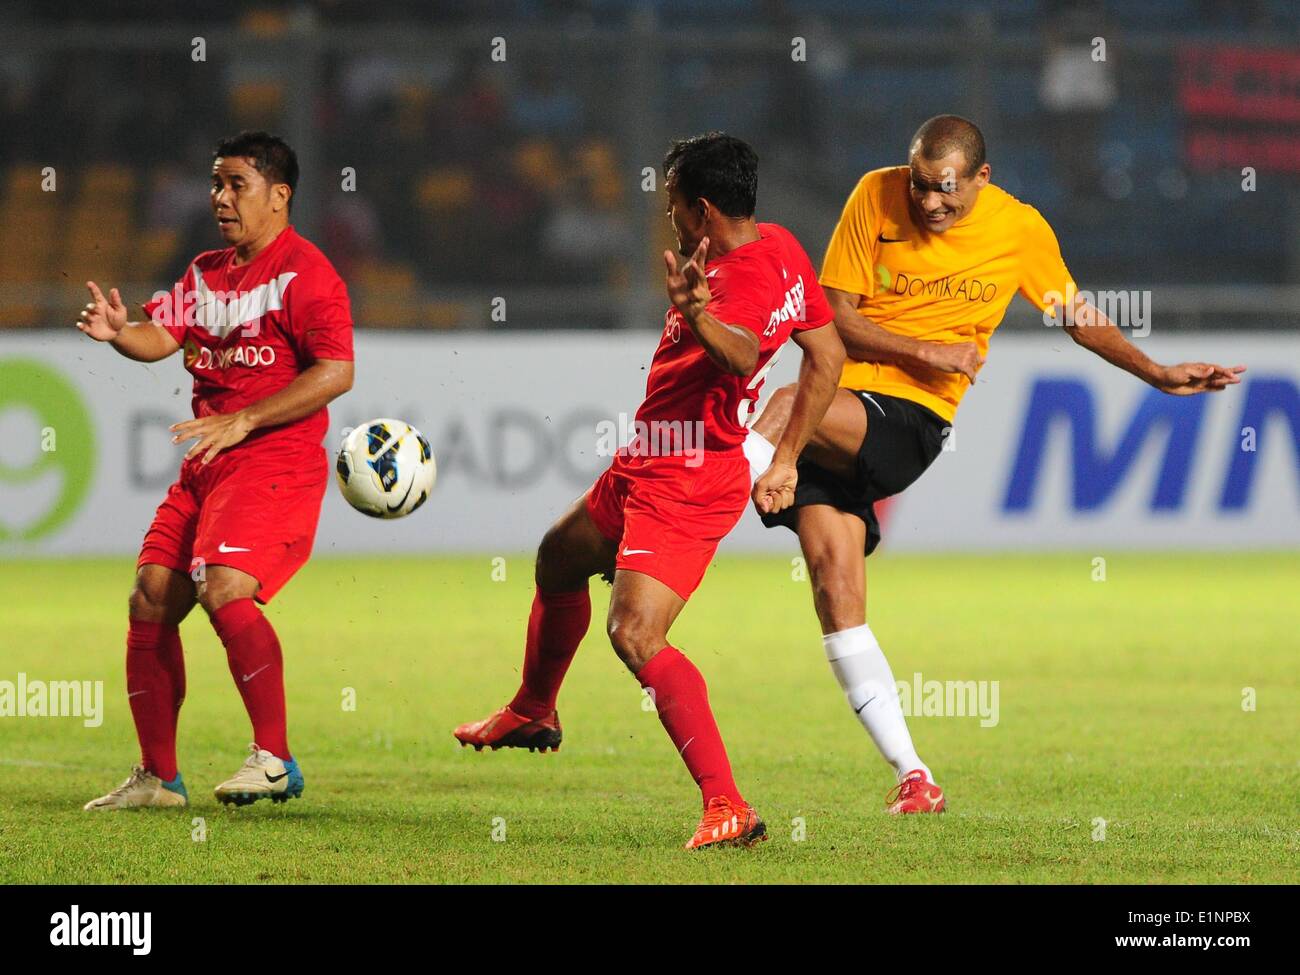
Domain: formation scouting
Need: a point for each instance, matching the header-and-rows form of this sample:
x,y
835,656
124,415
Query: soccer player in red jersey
x,y
266,331
654,519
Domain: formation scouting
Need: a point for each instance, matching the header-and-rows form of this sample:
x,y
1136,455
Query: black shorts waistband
x,y
910,404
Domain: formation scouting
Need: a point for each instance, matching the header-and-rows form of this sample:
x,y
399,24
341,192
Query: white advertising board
x,y
1053,448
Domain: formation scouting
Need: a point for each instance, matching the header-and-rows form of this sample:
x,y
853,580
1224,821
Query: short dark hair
x,y
944,134
716,167
270,155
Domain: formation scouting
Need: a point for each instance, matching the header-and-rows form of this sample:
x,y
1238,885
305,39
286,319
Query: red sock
x,y
155,688
253,652
682,701
556,626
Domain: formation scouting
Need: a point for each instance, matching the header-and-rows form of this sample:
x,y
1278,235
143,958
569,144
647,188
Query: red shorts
x,y
254,513
668,517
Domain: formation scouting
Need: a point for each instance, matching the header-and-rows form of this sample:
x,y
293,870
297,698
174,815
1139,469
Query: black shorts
x,y
903,439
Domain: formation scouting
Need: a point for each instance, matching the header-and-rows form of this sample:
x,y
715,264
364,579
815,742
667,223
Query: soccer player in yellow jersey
x,y
919,272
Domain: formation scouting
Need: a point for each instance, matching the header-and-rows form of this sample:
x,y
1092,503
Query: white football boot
x,y
262,776
143,789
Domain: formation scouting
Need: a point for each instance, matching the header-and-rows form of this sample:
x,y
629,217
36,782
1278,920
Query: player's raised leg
x,y
833,445
257,666
641,611
571,552
155,687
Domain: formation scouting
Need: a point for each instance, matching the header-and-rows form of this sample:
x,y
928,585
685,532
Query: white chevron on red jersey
x,y
248,330
221,313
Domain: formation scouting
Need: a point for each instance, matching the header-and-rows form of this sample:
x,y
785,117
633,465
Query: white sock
x,y
868,683
759,451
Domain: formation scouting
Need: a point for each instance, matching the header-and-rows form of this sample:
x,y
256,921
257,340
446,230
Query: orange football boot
x,y
727,824
915,794
506,729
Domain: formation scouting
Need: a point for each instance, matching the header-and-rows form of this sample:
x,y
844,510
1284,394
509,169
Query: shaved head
x,y
945,134
947,170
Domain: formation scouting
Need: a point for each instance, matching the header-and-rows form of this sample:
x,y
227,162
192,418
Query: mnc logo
x,y
1098,474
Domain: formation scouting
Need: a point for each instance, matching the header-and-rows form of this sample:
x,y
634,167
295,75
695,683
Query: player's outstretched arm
x,y
105,320
732,349
866,341
819,373
1094,331
314,387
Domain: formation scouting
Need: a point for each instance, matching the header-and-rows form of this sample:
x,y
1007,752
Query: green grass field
x,y
1119,700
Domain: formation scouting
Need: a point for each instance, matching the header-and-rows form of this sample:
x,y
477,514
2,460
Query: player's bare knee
x,y
218,590
826,566
836,585
552,571
141,605
634,638
210,597
571,553
776,414
781,401
156,599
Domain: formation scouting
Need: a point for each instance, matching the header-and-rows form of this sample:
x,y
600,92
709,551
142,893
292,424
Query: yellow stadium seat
x,y
448,188
537,163
264,23
384,295
413,109
107,182
25,181
256,103
154,254
443,315
28,240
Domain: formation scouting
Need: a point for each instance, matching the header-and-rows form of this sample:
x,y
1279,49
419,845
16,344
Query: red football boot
x,y
727,824
915,794
506,729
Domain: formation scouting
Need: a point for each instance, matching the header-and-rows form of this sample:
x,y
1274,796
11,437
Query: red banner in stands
x,y
1244,84
1242,106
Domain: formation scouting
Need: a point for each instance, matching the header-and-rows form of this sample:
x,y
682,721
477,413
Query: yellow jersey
x,y
949,287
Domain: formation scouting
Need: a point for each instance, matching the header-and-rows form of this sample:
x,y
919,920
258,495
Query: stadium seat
x,y
96,241
445,188
384,296
253,102
24,181
597,162
29,217
264,22
537,163
104,180
443,315
155,252
414,105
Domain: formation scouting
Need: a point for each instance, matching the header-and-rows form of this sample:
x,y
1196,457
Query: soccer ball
x,y
385,468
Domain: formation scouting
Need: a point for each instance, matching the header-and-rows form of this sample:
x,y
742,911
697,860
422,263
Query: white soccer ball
x,y
385,468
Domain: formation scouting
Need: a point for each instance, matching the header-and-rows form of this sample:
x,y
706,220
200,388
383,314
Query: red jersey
x,y
248,330
767,286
